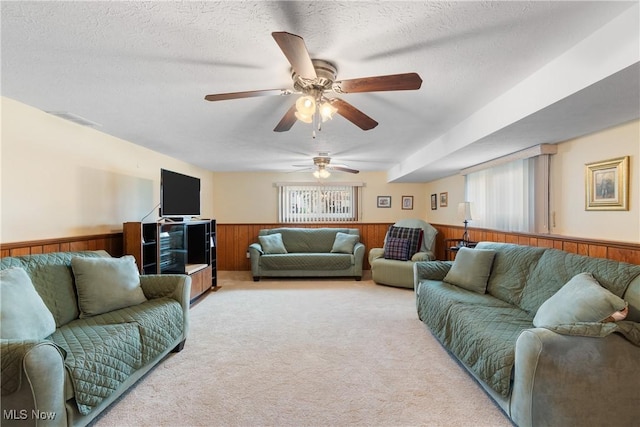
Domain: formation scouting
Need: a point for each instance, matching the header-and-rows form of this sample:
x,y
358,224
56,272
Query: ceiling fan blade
x,y
296,52
354,115
287,120
247,94
343,169
407,81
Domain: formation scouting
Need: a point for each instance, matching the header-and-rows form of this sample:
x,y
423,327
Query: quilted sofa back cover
x,y
53,280
308,240
527,276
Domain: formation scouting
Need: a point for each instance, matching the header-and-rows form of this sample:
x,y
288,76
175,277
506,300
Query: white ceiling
x,y
497,76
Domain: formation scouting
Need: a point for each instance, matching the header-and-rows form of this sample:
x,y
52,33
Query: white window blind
x,y
318,203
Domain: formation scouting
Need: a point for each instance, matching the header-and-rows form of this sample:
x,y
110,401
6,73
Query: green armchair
x,y
393,272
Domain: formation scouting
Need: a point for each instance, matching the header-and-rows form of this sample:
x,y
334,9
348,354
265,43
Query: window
x,y
318,203
512,196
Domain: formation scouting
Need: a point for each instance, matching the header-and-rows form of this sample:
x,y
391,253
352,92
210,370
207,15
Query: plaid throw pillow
x,y
396,248
414,235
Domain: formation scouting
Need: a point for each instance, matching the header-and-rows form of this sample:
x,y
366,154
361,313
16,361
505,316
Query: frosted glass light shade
x,y
306,106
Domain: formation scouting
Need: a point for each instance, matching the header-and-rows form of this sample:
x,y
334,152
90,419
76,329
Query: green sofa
x,y
307,252
568,372
85,338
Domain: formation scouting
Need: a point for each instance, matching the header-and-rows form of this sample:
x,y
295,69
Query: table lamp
x,y
464,213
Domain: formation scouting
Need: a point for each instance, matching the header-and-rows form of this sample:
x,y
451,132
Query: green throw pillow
x,y
272,244
106,284
581,299
471,269
23,314
344,243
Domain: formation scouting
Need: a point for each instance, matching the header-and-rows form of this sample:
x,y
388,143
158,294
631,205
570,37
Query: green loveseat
x,y
93,352
563,374
307,252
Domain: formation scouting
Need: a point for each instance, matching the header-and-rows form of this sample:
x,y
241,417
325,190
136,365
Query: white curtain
x,y
503,197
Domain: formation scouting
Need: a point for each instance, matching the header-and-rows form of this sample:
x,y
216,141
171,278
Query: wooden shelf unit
x,y
175,248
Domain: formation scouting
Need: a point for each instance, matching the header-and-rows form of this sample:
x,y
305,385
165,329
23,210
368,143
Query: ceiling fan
x,y
322,166
315,80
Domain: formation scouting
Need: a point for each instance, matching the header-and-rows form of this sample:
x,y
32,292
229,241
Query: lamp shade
x,y
327,111
464,211
306,105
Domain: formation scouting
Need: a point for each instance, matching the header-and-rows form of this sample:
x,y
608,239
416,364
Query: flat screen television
x,y
179,194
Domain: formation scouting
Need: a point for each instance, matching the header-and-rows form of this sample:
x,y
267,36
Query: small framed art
x,y
407,202
434,202
607,185
384,201
444,200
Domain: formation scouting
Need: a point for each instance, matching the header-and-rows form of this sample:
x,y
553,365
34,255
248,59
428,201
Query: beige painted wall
x,y
252,197
60,179
567,187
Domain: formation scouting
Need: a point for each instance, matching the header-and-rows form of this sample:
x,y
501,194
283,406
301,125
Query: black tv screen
x,y
179,194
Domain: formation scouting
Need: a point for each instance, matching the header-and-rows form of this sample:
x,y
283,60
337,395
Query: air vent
x,y
74,118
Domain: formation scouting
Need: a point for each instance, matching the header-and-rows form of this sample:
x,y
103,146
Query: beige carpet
x,y
306,353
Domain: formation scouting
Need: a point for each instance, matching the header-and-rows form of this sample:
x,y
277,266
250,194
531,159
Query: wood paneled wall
x,y
618,251
111,243
234,239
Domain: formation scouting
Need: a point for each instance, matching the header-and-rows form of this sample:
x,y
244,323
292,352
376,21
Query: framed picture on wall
x,y
434,202
384,201
444,200
607,185
407,202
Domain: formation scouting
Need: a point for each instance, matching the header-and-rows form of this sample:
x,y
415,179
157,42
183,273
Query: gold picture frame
x,y
607,185
444,199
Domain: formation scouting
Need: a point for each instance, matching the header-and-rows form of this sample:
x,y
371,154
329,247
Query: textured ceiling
x,y
141,70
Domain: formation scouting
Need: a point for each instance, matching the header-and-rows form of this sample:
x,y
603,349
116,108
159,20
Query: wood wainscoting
x,y
111,243
618,251
234,239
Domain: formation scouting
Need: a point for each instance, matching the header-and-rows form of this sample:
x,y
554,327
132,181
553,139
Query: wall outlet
x,y
248,256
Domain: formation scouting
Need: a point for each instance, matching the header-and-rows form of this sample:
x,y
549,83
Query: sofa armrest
x,y
375,254
431,270
574,380
358,257
33,380
423,256
255,252
176,286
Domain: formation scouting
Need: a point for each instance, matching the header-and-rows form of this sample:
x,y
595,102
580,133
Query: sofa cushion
x,y
23,314
99,358
305,261
52,278
344,243
471,269
106,284
413,235
396,248
511,267
272,244
581,299
308,240
555,268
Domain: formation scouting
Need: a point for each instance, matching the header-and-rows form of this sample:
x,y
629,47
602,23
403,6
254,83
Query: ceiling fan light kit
x,y
313,79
